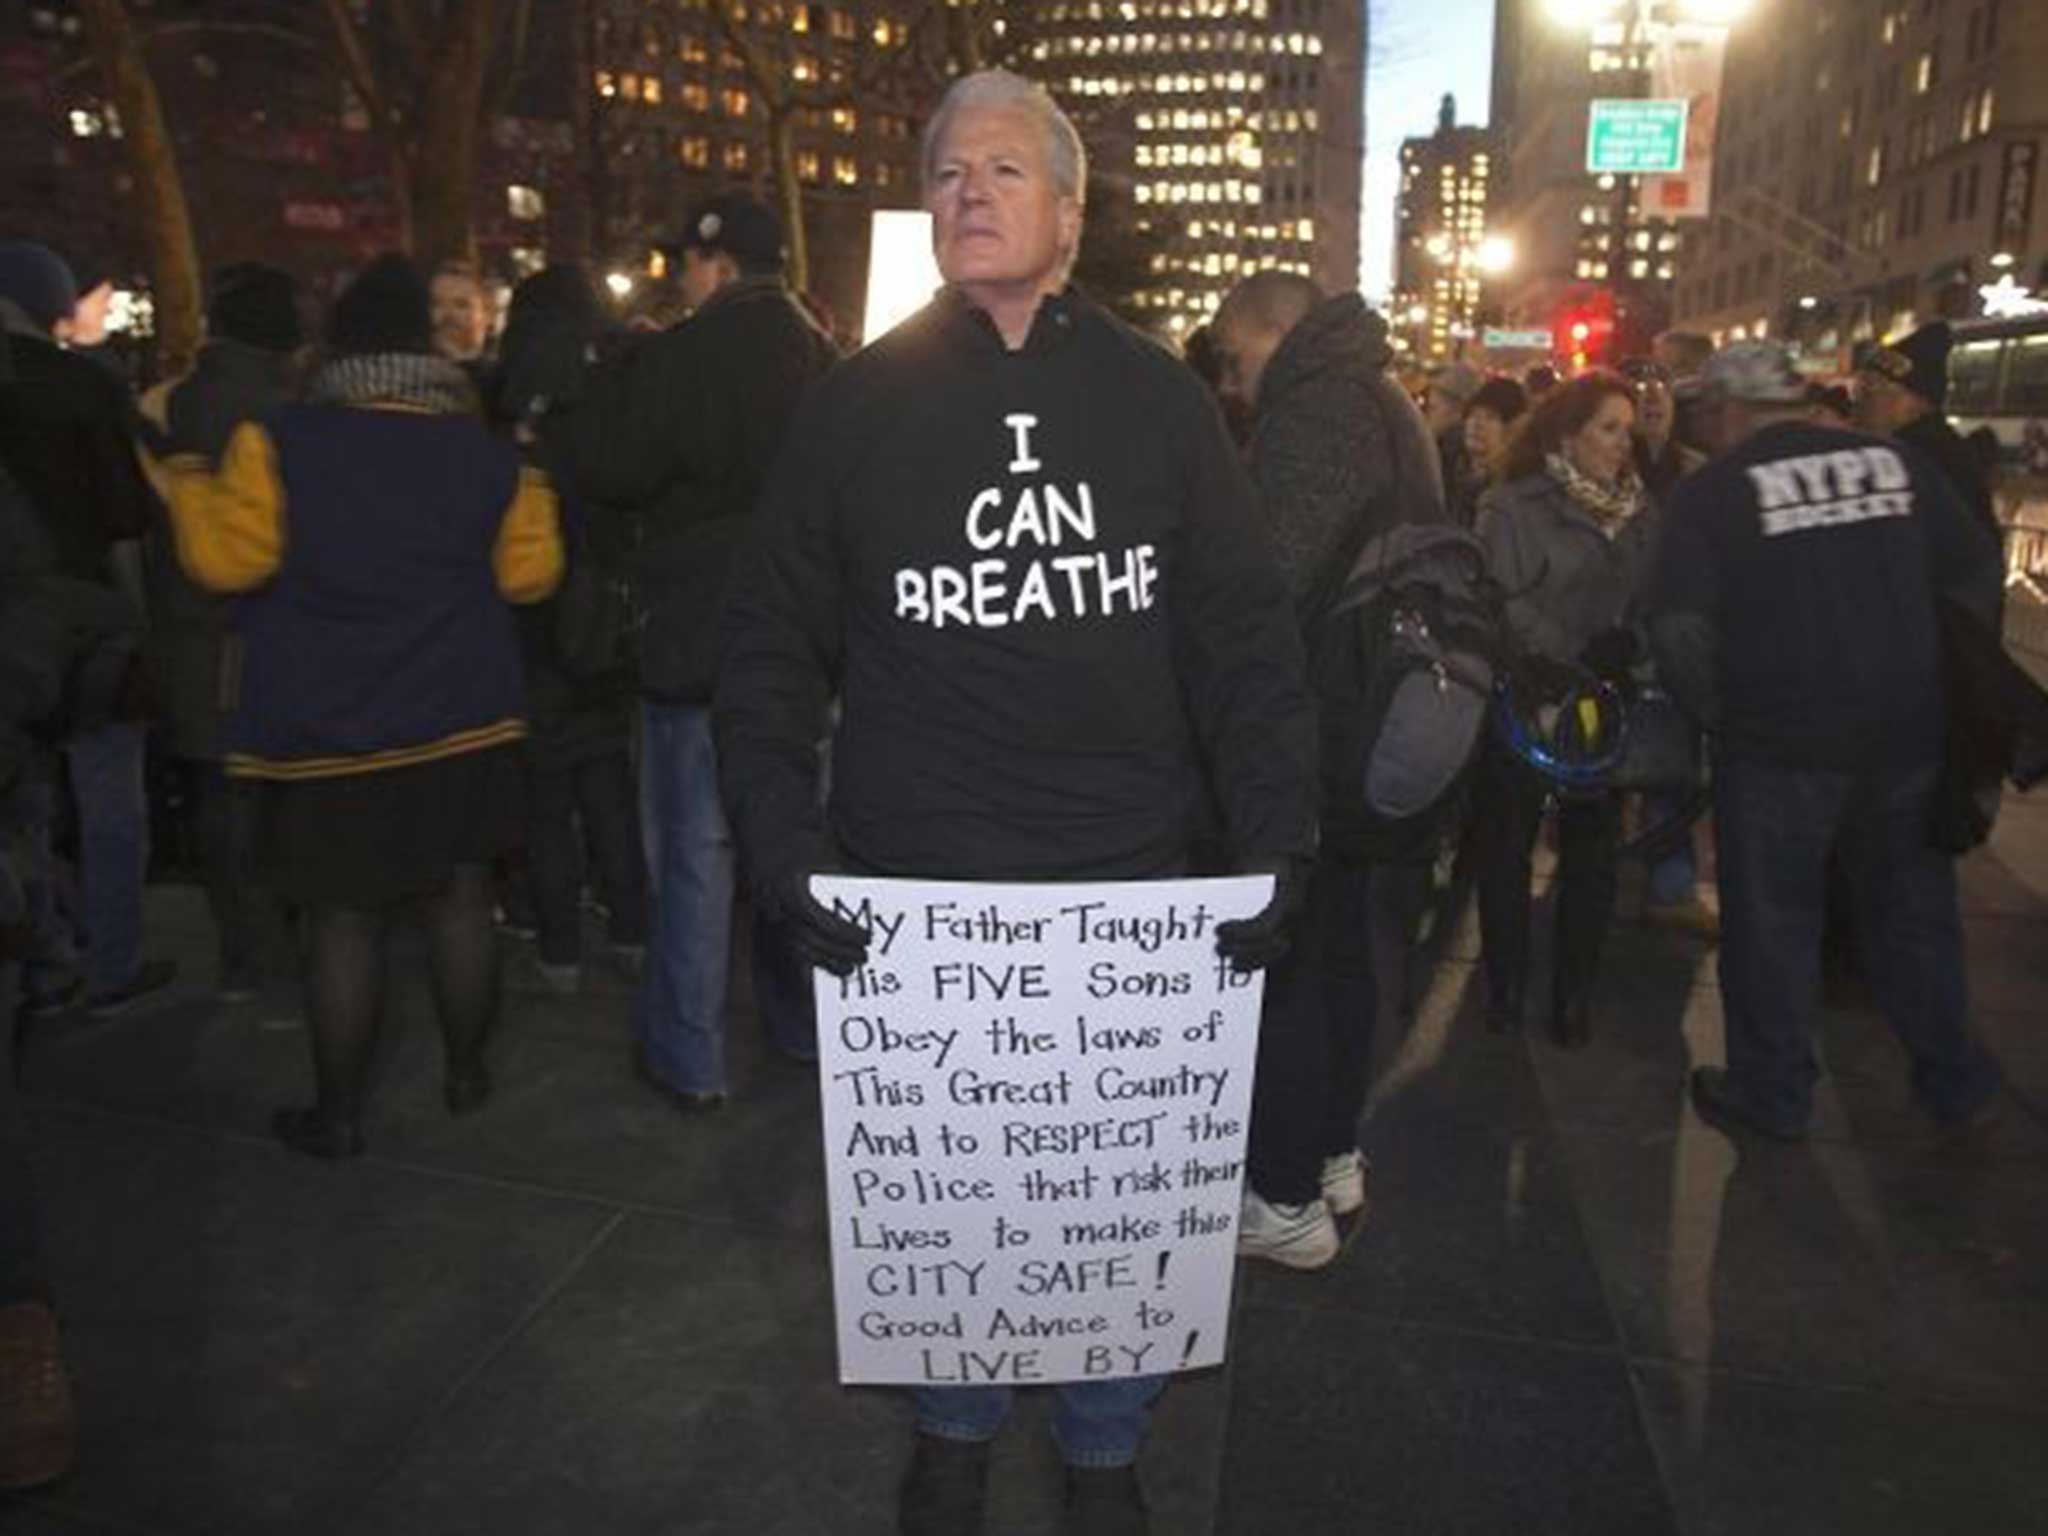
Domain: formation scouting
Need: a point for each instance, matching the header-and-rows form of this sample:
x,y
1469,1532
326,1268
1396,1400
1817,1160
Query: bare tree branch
x,y
357,65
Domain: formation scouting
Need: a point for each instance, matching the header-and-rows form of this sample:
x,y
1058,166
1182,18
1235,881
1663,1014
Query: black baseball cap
x,y
736,225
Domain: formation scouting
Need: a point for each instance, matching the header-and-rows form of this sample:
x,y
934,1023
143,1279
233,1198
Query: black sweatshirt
x,y
1792,600
1039,587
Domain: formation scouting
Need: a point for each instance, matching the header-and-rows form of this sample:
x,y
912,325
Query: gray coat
x,y
1335,439
1563,579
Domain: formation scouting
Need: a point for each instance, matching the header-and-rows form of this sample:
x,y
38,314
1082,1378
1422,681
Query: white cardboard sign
x,y
1035,1104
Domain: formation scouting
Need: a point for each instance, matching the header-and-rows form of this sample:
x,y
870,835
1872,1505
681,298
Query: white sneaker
x,y
1299,1236
1344,1182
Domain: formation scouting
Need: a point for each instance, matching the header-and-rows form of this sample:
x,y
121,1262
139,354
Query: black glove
x,y
1255,942
821,936
1612,654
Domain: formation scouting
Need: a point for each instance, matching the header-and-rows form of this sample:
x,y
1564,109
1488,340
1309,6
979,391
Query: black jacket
x,y
1336,442
1934,439
1037,582
64,435
677,437
1793,596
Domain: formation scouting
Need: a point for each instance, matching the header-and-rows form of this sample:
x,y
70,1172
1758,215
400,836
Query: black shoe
x,y
1722,1109
682,1098
310,1132
1105,1501
467,1089
239,982
151,977
946,1488
1571,1025
60,999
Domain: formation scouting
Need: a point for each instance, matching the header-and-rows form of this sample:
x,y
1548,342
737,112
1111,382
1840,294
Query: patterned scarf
x,y
409,380
1610,506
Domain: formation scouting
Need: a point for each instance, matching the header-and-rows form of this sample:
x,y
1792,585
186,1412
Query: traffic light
x,y
1585,328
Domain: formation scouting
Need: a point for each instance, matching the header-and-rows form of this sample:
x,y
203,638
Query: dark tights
x,y
345,986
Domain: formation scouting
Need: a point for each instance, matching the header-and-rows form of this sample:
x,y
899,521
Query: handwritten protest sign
x,y
1035,1103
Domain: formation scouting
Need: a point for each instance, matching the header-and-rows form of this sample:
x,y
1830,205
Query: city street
x,y
1575,1309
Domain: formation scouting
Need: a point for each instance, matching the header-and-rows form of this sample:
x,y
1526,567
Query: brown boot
x,y
38,1424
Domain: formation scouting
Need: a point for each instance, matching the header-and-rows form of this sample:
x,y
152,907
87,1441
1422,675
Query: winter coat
x,y
229,384
1935,439
32,648
1039,585
376,634
64,435
1563,579
552,343
679,437
1335,441
1793,598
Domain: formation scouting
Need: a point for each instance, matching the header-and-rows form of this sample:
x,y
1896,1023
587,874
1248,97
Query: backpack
x,y
601,611
1402,664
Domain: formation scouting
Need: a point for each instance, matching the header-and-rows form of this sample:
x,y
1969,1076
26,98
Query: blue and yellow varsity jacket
x,y
375,551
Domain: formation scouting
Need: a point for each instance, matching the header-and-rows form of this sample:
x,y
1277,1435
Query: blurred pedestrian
x,y
38,1423
1830,405
1566,539
1450,389
462,312
1490,417
678,439
1795,611
1338,455
65,435
247,369
376,532
1065,731
583,818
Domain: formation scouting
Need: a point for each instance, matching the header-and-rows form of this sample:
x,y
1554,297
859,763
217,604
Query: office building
x,y
1238,127
1878,165
1442,251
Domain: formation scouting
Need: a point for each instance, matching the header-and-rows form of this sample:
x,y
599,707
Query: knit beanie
x,y
388,308
35,278
257,306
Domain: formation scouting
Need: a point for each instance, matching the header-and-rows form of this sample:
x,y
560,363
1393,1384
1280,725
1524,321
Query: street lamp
x,y
1496,254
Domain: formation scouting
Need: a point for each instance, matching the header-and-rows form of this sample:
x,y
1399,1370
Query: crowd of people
x,y
466,636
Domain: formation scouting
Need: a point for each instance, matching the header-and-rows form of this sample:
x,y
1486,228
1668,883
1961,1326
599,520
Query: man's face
x,y
999,221
1442,410
704,274
87,323
1245,350
1653,411
1883,406
459,329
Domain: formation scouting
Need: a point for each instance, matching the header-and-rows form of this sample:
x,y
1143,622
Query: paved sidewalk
x,y
1576,1309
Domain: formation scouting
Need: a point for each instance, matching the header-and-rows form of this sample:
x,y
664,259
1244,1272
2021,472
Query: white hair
x,y
1000,90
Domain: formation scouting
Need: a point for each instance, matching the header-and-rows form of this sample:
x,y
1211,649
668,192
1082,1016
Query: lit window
x,y
695,153
525,203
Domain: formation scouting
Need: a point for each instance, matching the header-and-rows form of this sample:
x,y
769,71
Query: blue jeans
x,y
1095,1423
113,849
1774,828
1675,878
680,1017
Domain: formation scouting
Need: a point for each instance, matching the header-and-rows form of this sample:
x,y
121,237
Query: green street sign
x,y
1636,138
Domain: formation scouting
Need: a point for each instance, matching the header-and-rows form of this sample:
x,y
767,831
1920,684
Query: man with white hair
x,y
1013,540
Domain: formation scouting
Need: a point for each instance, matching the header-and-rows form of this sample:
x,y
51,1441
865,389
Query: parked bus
x,y
1998,378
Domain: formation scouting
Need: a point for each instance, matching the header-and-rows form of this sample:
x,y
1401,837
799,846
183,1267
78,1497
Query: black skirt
x,y
373,840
